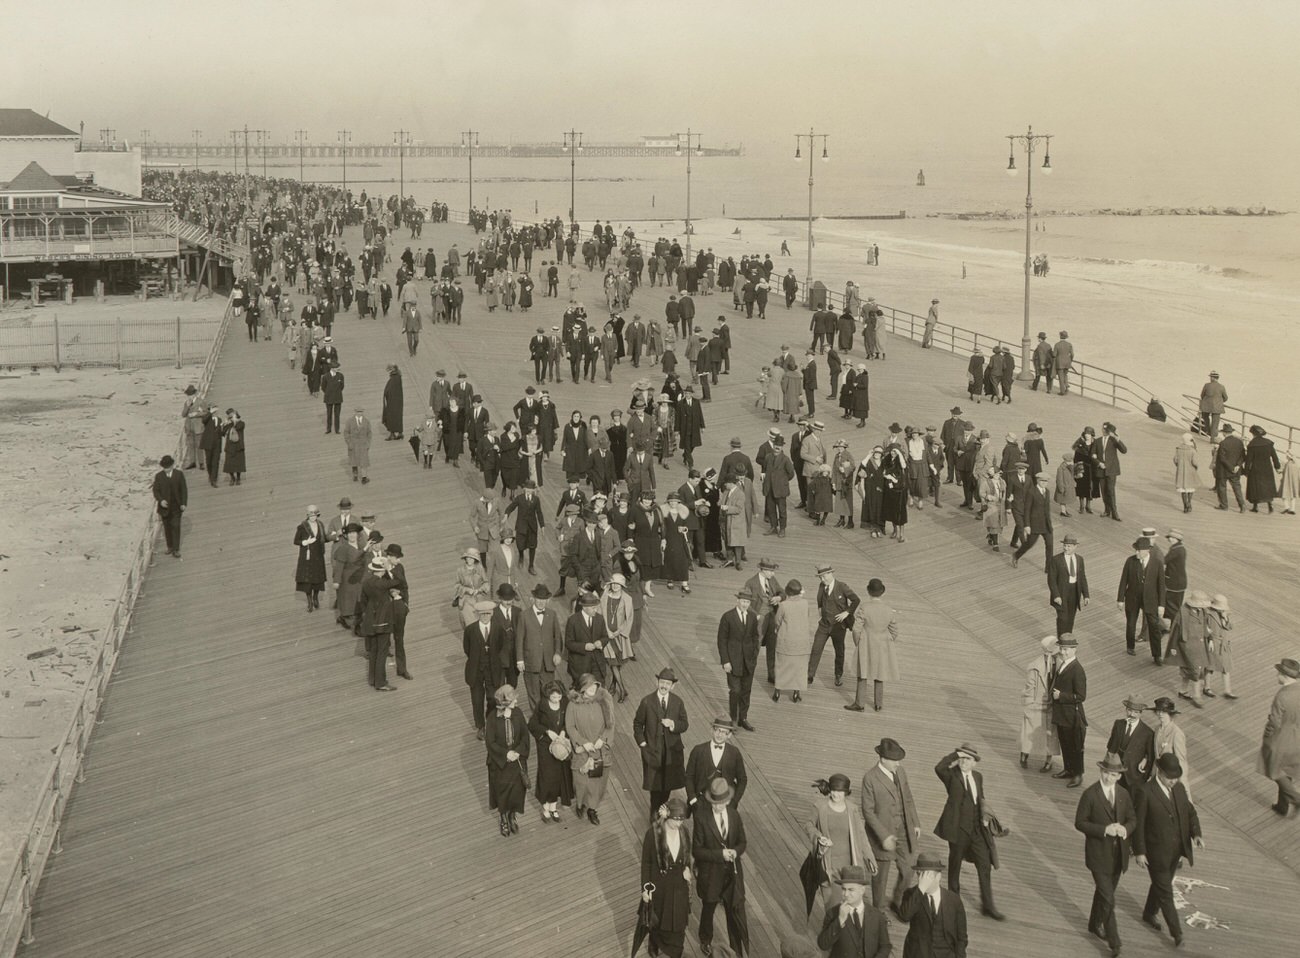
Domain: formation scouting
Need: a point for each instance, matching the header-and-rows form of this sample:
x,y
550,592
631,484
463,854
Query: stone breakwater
x,y
1108,211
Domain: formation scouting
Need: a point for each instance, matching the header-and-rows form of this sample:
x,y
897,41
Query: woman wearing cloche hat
x,y
1170,739
839,834
666,877
1218,623
508,744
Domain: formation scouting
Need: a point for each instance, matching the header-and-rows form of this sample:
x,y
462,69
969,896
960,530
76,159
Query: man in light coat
x,y
356,436
1037,733
893,826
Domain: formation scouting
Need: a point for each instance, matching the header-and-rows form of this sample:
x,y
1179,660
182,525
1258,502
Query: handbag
x,y
597,770
561,748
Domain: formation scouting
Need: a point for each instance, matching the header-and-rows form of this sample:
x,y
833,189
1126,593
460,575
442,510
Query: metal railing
x,y
1243,419
150,341
41,837
197,235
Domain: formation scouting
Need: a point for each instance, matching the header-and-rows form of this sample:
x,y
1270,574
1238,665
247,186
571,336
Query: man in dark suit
x,y
401,606
935,915
1141,596
477,424
657,727
1167,831
585,635
1229,463
171,496
529,522
950,435
690,426
1069,691
736,463
765,450
893,827
1106,450
1134,744
1033,514
738,652
776,487
1067,584
539,353
691,499
717,845
375,623
600,467
837,603
505,624
1107,818
478,663
539,645
1018,487
852,928
716,758
766,591
1175,575
964,825
810,381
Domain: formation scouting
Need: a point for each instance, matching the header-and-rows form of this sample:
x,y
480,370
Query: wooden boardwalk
x,y
248,794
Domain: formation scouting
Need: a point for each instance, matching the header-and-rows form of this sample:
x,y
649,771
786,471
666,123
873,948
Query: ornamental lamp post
x,y
1029,141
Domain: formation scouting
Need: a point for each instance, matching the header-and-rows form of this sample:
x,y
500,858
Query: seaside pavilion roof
x,y
24,122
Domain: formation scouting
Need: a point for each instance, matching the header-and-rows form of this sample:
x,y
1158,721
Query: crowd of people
x,y
623,526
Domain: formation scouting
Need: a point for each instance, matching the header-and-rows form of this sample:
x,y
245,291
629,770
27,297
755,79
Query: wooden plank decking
x,y
248,794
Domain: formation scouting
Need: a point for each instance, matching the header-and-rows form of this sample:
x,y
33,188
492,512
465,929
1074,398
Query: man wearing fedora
x,y
1279,753
765,592
1134,743
716,758
950,434
1067,584
893,826
964,824
738,653
1213,396
657,727
837,604
479,673
852,928
935,915
1229,463
378,593
1106,450
1033,516
1069,691
717,845
1141,597
539,646
585,635
1167,831
1037,733
1107,818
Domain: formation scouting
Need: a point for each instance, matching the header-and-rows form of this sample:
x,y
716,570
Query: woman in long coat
x,y
993,505
1087,483
711,521
530,453
233,430
875,630
349,559
490,289
589,723
451,419
871,478
525,294
548,424
774,393
573,446
654,340
1262,466
471,586
843,469
1189,633
1289,487
554,774
428,433
508,745
792,628
309,537
1035,452
792,387
677,551
392,416
1186,480
666,865
861,395
511,459
975,376
893,507
840,835
312,368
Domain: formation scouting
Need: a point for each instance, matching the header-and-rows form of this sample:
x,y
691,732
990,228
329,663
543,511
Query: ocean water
x,y
1158,298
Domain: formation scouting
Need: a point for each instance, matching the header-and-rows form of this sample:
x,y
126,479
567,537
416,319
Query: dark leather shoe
x,y
855,707
1151,920
389,688
579,809
1075,782
406,675
592,816
994,914
1024,760
746,726
1062,774
839,680
479,734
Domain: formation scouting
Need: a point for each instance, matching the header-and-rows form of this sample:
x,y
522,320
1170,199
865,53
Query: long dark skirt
x,y
554,778
507,787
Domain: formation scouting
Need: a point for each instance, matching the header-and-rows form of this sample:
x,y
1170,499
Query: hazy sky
x,y
1155,80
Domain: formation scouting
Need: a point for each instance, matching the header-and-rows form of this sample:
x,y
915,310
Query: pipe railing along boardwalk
x,y
248,793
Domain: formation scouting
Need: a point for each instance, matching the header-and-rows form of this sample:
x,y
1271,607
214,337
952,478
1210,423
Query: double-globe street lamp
x,y
812,138
698,150
572,146
1029,141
